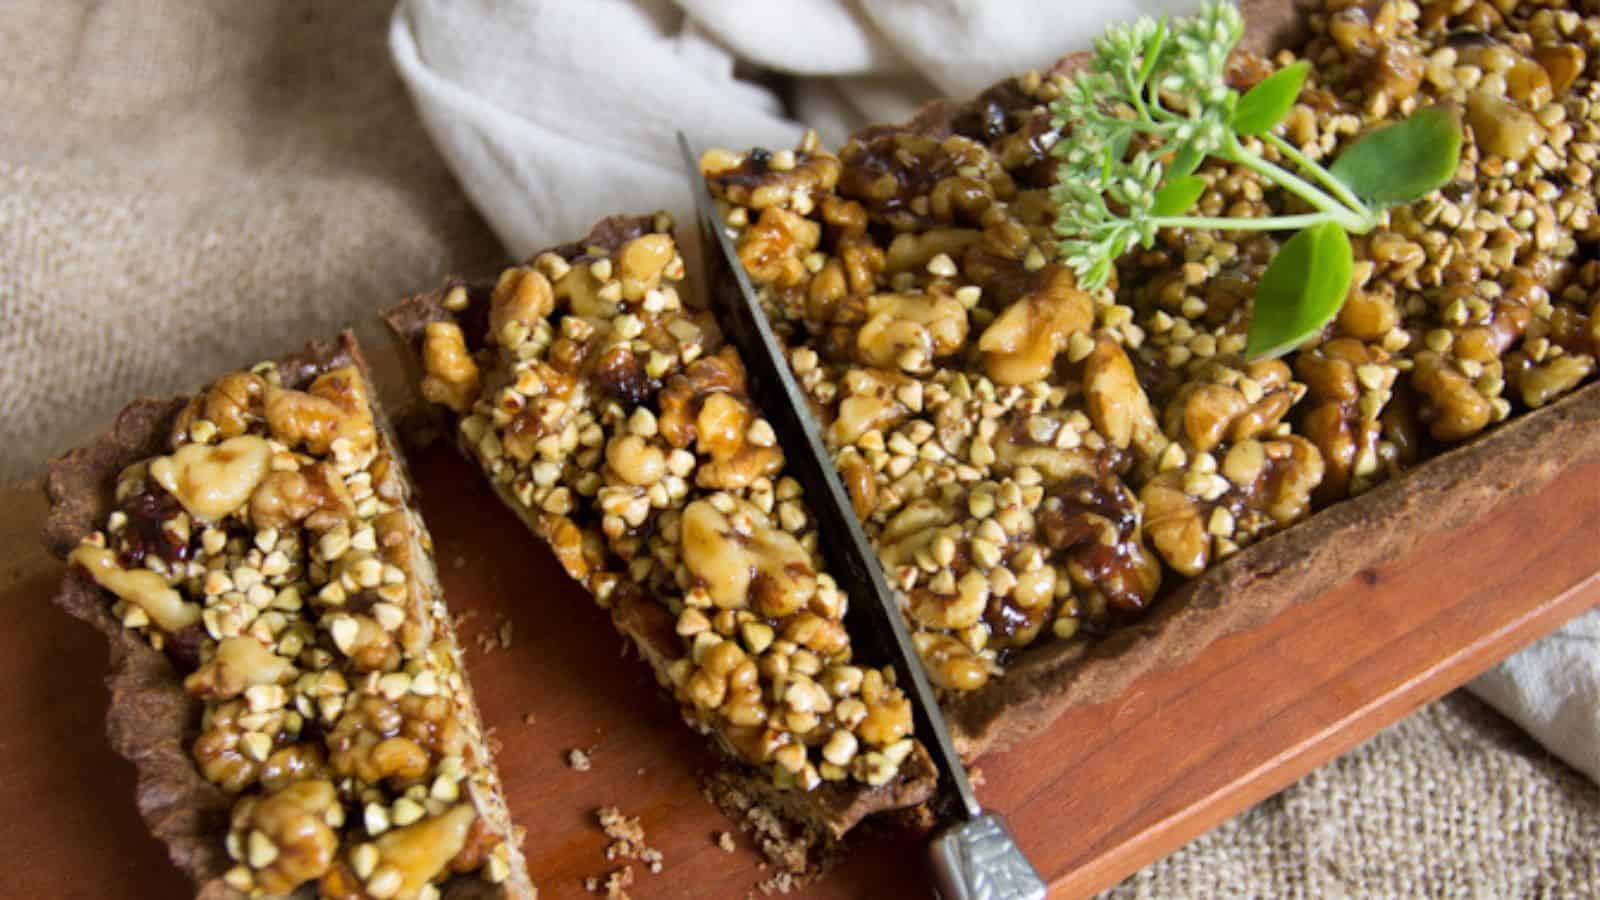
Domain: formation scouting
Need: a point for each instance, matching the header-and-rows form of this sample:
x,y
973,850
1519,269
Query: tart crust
x,y
151,719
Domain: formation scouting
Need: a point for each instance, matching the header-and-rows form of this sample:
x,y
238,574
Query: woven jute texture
x,y
188,186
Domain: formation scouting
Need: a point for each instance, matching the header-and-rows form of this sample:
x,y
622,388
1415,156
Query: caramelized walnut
x,y
1117,402
231,402
744,563
367,644
642,262
521,300
239,663
1097,528
335,406
1176,524
1541,384
410,858
1192,516
1451,407
762,179
212,481
286,835
1240,404
773,250
870,403
287,765
705,407
226,753
397,741
910,181
951,664
140,587
910,331
1349,384
450,376
314,496
1020,346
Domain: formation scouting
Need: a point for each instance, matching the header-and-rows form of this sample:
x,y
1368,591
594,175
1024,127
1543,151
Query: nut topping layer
x,y
609,412
1026,454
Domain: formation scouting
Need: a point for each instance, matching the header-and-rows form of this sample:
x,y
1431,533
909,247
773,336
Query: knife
x,y
975,857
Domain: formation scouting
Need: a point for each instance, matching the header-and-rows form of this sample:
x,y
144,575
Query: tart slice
x,y
604,407
284,673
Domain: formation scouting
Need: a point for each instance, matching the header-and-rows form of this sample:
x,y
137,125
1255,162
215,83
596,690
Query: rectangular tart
x,y
1073,487
603,406
285,677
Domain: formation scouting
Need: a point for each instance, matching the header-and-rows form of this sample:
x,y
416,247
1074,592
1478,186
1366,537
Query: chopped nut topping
x,y
625,429
1046,462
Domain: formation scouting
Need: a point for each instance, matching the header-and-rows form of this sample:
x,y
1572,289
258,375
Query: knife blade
x,y
976,857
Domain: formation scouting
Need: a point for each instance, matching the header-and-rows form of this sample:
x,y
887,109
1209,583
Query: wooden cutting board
x,y
1107,790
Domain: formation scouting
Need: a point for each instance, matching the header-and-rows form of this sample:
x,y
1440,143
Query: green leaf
x,y
1177,195
1301,291
1401,162
1265,105
1185,161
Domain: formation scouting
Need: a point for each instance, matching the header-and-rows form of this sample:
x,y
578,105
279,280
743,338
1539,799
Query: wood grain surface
x,y
1106,790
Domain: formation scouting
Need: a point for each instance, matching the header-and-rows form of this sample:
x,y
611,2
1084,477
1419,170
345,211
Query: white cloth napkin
x,y
554,114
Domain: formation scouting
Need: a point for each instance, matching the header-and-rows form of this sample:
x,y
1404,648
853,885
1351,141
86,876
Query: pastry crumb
x,y
527,718
497,637
618,883
615,884
578,760
627,838
725,841
781,883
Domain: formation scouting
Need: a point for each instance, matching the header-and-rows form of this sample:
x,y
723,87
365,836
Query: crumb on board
x,y
578,760
616,883
495,638
527,718
725,841
627,839
781,883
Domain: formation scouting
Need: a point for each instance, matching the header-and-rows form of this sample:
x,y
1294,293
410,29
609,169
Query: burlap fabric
x,y
187,186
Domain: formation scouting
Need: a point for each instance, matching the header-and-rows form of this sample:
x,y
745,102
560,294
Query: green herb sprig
x,y
1154,102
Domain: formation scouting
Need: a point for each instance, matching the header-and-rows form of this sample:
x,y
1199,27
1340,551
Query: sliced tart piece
x,y
604,407
284,673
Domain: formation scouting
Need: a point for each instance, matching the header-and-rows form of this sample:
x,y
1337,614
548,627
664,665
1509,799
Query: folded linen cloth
x,y
553,114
